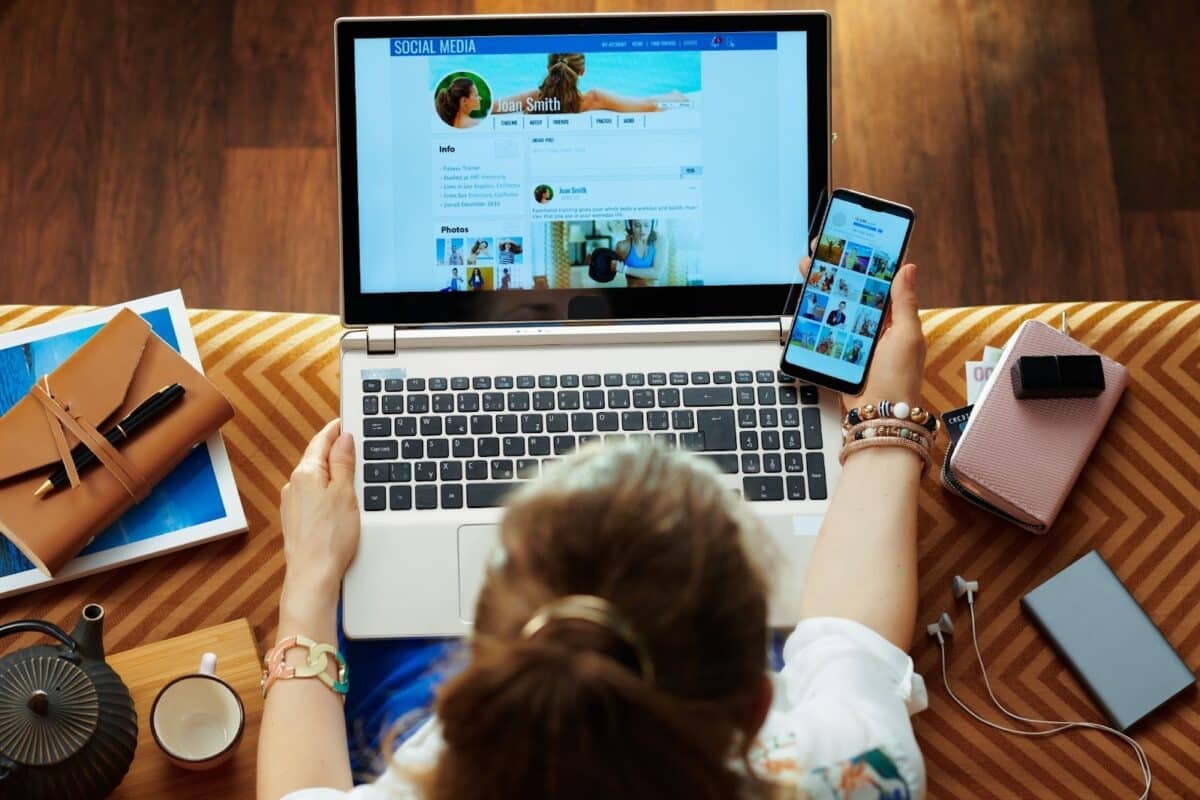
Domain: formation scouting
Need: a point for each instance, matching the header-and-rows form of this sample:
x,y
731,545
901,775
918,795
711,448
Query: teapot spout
x,y
89,632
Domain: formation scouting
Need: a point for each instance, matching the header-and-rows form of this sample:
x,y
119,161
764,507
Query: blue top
x,y
633,260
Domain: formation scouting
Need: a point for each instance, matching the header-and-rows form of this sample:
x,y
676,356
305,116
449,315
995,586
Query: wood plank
x,y
50,93
1056,221
282,77
1149,68
904,132
147,669
1163,251
161,153
279,227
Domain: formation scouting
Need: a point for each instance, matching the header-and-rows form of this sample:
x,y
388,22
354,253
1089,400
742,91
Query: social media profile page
x,y
847,290
581,161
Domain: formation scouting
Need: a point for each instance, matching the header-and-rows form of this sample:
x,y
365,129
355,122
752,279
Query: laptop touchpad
x,y
475,546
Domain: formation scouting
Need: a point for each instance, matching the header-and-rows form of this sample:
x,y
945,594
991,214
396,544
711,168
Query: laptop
x,y
564,229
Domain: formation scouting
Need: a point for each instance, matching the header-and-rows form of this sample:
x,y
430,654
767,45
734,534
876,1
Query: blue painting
x,y
188,496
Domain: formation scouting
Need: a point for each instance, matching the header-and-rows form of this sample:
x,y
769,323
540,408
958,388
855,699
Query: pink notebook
x,y
1020,458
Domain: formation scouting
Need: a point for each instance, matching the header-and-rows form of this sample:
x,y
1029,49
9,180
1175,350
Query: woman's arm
x,y
302,738
649,273
864,563
601,100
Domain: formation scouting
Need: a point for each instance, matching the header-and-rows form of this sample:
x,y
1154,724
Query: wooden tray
x,y
147,669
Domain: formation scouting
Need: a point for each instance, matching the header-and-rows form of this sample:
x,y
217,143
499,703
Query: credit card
x,y
955,421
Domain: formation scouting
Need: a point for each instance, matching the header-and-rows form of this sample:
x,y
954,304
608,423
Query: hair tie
x,y
598,611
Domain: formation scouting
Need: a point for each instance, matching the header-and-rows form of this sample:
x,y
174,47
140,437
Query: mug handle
x,y
208,664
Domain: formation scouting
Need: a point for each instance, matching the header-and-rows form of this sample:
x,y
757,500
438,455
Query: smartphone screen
x,y
841,308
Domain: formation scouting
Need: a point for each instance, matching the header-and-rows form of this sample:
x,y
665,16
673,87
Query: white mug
x,y
198,719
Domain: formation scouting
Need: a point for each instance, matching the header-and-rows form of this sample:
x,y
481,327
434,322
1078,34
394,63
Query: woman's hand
x,y
898,368
319,512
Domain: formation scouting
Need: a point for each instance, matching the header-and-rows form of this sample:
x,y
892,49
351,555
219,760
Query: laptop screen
x,y
580,163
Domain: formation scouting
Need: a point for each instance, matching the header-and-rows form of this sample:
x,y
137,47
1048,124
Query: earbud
x,y
961,586
942,626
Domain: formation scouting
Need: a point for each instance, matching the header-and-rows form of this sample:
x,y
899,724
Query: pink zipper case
x,y
1020,459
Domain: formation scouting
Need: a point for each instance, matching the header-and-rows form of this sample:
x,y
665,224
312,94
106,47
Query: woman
x,y
654,683
560,93
509,250
855,352
638,253
479,250
476,281
455,103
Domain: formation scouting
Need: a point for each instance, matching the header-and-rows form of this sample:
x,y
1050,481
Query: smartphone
x,y
860,246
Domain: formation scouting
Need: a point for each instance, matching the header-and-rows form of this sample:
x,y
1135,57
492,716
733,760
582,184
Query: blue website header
x,y
582,43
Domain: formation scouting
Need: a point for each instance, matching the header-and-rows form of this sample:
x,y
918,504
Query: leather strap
x,y
129,476
60,439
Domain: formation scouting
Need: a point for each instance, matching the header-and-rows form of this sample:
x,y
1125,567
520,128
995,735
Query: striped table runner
x,y
1138,502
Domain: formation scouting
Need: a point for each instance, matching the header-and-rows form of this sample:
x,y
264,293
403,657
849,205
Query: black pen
x,y
147,410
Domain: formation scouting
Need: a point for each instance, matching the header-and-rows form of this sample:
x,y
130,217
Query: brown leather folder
x,y
97,386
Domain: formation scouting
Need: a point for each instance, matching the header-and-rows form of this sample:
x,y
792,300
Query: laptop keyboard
x,y
455,442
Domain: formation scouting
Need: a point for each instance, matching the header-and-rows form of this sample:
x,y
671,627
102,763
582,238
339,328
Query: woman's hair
x,y
562,82
449,100
480,244
652,236
476,274
568,712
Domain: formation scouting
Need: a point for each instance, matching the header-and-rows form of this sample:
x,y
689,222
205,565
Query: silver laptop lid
x,y
600,167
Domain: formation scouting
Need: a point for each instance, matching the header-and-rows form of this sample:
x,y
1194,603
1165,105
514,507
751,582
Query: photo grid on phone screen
x,y
843,304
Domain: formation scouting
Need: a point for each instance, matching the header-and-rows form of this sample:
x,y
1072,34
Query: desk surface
x,y
1137,502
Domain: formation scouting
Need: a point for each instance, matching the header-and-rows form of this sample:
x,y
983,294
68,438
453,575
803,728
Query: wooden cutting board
x,y
147,669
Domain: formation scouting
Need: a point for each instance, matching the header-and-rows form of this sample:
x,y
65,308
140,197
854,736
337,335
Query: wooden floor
x,y
1051,149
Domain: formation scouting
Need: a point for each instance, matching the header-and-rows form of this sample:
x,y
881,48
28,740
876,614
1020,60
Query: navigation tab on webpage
x,y
604,122
631,121
568,122
506,122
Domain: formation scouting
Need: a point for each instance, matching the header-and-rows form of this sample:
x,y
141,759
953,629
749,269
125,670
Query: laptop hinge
x,y
381,339
784,324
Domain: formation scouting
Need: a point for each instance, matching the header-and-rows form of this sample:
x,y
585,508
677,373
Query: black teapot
x,y
68,728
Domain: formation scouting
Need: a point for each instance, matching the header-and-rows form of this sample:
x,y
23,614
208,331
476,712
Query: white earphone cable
x,y
1060,725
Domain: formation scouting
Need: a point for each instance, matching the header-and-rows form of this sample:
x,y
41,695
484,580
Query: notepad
x,y
1106,637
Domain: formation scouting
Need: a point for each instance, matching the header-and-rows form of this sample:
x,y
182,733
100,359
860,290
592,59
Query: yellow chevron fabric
x,y
1138,502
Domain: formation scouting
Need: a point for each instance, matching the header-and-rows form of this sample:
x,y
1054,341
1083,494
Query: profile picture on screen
x,y
462,99
543,194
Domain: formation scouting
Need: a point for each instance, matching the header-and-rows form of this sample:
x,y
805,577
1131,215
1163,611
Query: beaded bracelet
x,y
316,665
902,428
887,409
887,441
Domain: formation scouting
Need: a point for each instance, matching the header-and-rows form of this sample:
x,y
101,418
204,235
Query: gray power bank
x,y
1101,631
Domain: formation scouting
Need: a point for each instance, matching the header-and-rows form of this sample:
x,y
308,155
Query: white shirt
x,y
843,690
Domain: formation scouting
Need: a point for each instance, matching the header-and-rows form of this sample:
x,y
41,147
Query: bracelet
x,y
902,428
887,409
316,665
887,441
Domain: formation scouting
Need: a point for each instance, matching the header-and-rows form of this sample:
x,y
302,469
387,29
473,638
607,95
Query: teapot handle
x,y
39,626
